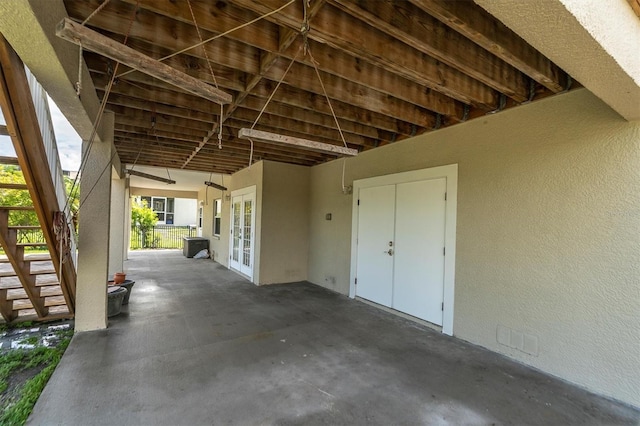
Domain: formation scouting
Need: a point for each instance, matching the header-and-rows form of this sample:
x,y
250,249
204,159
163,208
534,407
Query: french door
x,y
400,247
242,233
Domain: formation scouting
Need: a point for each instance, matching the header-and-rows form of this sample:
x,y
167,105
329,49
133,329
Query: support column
x,y
127,221
93,239
117,225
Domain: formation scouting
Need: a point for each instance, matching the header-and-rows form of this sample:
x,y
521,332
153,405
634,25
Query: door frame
x,y
250,190
450,173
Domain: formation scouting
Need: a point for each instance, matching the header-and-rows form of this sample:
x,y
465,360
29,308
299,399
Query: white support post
x,y
93,239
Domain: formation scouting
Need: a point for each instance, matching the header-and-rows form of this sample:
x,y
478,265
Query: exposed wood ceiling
x,y
391,68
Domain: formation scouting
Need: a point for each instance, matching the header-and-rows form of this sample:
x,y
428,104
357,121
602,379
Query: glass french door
x,y
242,233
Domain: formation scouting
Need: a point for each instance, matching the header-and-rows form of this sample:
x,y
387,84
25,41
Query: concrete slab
x,y
198,345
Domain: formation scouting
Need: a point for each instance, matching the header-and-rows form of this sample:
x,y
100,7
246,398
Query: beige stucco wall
x,y
285,223
548,241
282,220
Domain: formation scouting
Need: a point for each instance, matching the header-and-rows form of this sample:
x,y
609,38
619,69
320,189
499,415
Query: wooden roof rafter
x,y
392,69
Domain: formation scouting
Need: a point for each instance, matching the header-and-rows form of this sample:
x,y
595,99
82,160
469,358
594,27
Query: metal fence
x,y
30,236
161,237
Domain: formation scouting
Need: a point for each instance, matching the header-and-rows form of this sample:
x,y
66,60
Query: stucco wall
x,y
285,223
219,246
548,248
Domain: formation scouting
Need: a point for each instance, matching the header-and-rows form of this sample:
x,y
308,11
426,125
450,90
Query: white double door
x,y
401,241
242,233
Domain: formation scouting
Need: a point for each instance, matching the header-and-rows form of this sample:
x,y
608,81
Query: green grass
x,y
17,407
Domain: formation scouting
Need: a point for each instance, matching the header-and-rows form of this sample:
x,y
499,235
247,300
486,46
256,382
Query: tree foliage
x,y
73,192
16,197
143,219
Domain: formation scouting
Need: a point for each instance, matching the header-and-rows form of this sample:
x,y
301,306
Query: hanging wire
x,y
79,82
219,35
98,180
333,113
220,127
251,153
98,119
206,55
168,174
276,88
95,12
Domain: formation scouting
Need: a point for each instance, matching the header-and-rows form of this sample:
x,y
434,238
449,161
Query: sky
x,y
69,143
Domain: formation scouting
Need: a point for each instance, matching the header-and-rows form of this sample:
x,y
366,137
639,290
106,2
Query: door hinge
x,y
444,251
445,196
358,202
356,281
443,306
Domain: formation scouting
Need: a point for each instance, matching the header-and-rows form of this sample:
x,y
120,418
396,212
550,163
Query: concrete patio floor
x,y
199,345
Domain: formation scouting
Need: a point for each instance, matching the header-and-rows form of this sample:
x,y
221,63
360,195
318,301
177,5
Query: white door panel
x,y
418,282
242,233
375,232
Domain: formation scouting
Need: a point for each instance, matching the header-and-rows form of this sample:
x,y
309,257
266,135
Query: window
x,y
163,207
217,210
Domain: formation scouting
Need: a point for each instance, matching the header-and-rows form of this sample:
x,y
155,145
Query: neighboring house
x,y
172,211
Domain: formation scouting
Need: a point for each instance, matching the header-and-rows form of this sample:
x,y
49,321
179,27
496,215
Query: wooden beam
x,y
287,140
216,186
361,40
152,177
135,144
287,102
12,161
635,5
476,24
407,23
163,32
91,40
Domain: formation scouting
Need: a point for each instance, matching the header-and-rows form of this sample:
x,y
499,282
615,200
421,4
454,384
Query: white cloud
x,y
69,143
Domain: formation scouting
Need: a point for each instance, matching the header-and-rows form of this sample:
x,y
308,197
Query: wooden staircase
x,y
29,285
32,286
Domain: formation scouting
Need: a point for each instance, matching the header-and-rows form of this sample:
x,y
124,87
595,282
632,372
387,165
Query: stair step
x,y
42,281
39,272
13,185
20,304
55,301
51,291
32,244
12,161
40,257
55,313
17,285
17,208
20,294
